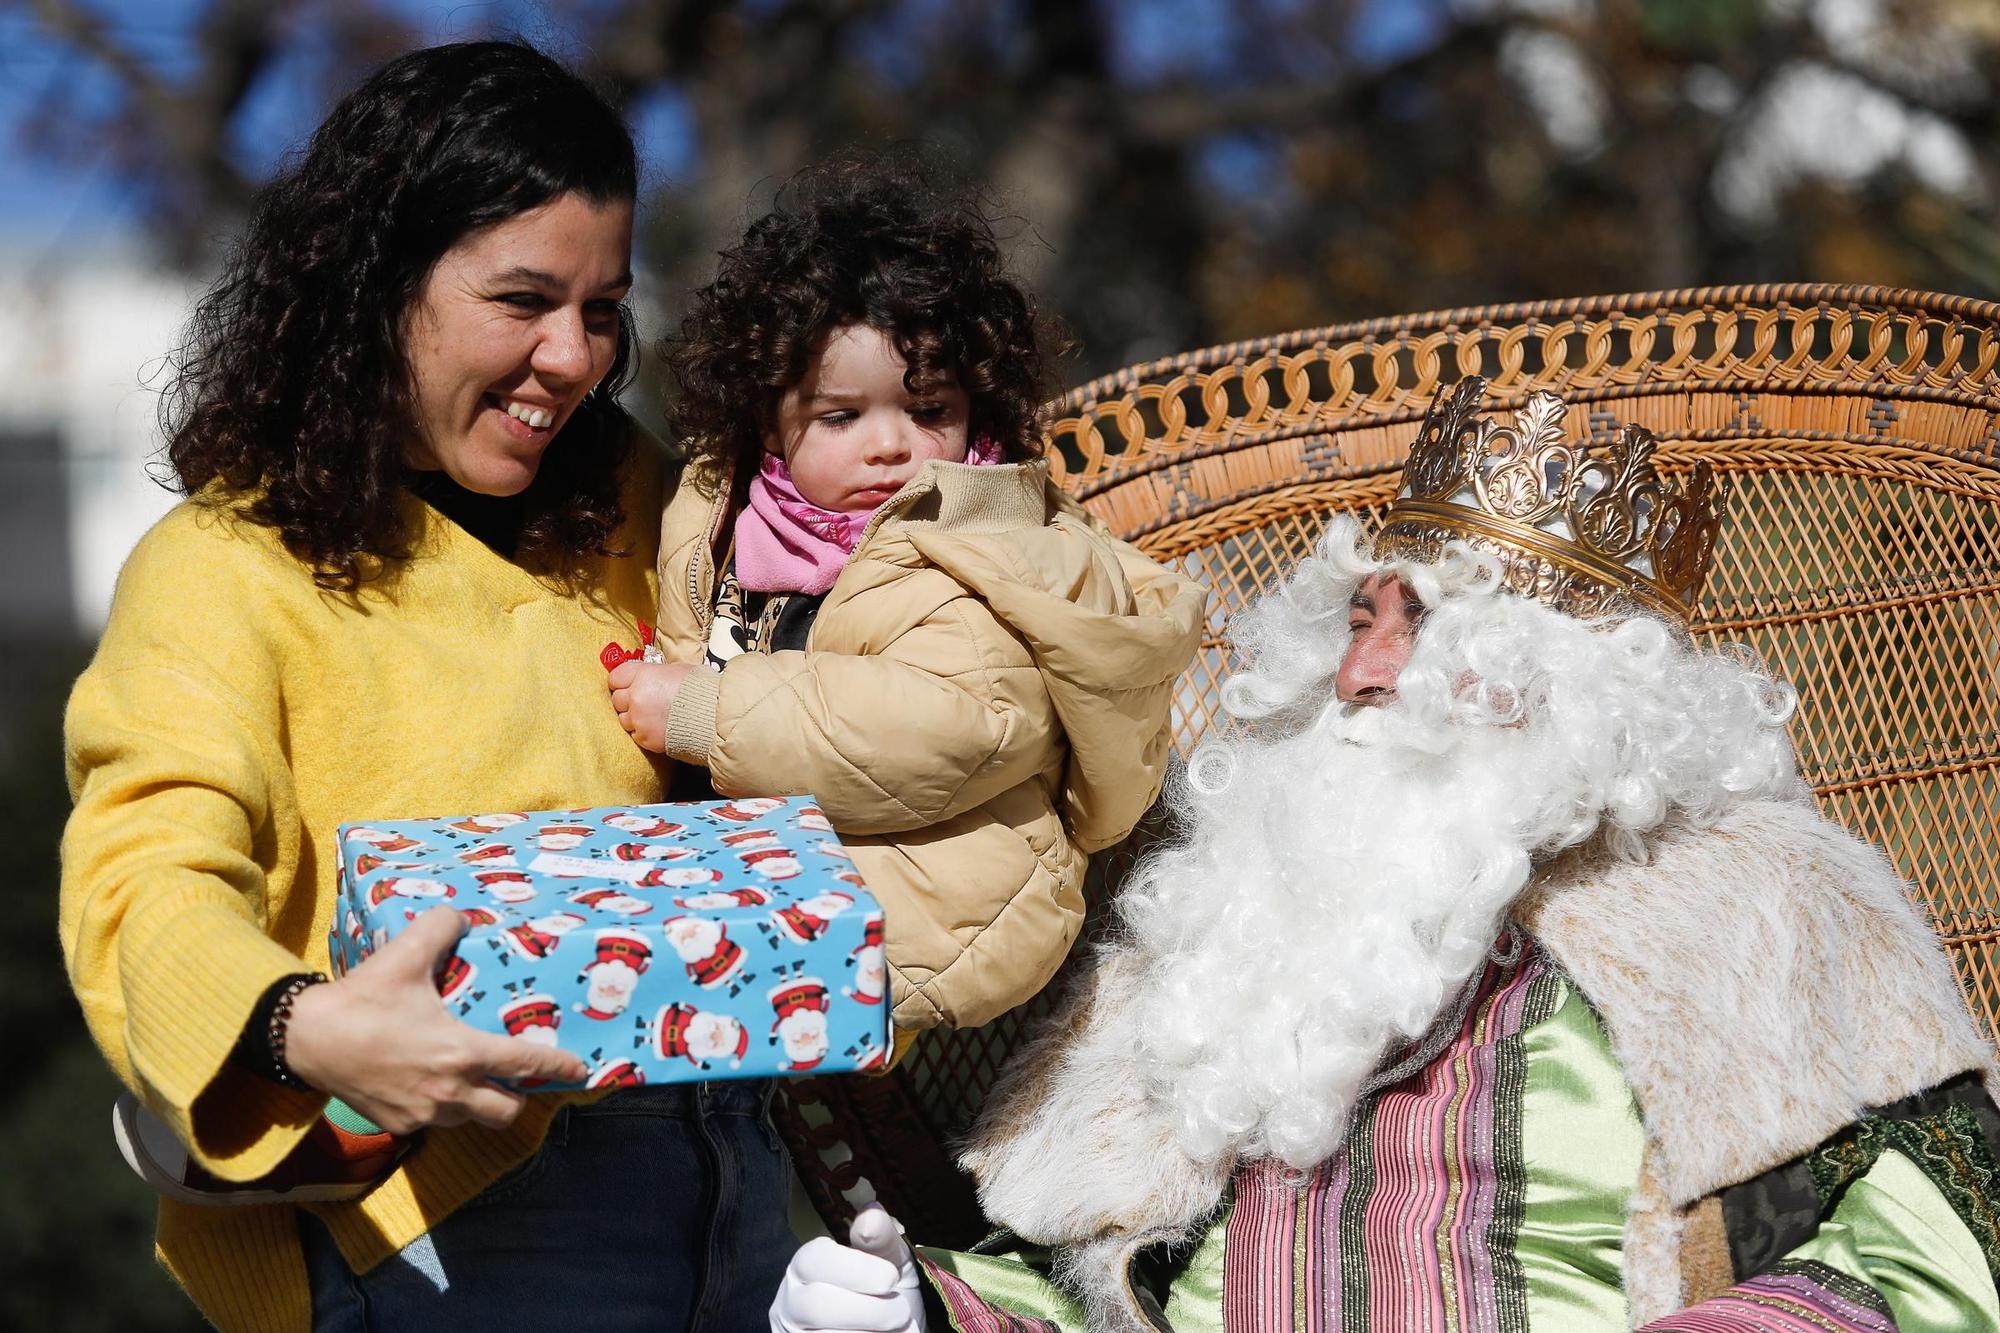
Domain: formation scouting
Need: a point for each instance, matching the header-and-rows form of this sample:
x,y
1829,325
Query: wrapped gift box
x,y
662,943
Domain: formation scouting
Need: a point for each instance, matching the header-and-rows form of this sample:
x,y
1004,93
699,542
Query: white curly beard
x,y
1341,889
1342,873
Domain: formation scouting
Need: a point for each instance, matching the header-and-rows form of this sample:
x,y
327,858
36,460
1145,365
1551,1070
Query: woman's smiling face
x,y
514,325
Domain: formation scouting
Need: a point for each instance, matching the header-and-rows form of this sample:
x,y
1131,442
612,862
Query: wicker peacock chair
x,y
1860,427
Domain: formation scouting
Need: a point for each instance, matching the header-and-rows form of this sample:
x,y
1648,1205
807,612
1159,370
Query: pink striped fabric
x,y
1792,1297
970,1314
1411,1227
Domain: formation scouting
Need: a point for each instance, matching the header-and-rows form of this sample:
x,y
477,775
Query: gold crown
x,y
1588,529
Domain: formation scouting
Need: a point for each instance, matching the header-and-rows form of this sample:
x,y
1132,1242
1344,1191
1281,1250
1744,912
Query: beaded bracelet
x,y
261,1049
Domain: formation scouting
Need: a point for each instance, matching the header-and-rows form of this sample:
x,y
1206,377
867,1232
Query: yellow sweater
x,y
233,716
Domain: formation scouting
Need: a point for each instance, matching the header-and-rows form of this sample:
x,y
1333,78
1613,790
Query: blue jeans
x,y
659,1209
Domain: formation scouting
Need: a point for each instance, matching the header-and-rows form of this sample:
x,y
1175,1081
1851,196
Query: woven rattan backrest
x,y
1861,558
1860,428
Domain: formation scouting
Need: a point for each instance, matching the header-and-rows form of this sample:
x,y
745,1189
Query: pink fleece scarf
x,y
785,543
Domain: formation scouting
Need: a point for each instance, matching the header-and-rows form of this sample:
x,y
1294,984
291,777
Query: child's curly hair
x,y
858,241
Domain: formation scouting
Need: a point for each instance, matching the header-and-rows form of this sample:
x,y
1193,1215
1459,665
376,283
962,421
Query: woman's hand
x,y
866,1286
642,692
381,1041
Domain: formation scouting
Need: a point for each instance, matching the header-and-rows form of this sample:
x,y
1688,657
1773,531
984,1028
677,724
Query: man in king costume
x,y
1502,976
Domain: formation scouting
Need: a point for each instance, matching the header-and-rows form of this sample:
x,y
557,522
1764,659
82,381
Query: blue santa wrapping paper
x,y
662,943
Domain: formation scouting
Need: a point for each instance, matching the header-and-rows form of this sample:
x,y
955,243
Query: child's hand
x,y
642,692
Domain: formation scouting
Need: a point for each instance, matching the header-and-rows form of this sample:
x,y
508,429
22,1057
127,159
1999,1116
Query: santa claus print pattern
x,y
662,943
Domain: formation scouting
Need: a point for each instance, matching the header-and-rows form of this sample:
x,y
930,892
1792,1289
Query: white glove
x,y
866,1286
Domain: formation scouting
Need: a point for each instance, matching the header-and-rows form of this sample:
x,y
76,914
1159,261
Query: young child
x,y
871,592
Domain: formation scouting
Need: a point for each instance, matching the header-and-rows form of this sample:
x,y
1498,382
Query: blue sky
x,y
87,203
76,205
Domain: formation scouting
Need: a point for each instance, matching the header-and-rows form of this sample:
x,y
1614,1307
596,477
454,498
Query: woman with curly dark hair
x,y
414,510
872,593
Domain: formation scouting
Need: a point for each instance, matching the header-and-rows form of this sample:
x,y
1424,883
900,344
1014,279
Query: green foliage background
x,y
75,1226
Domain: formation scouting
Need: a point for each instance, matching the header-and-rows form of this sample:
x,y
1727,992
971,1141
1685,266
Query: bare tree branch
x,y
178,135
1191,113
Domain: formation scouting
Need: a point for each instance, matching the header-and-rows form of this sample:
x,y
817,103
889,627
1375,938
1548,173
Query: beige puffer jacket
x,y
982,702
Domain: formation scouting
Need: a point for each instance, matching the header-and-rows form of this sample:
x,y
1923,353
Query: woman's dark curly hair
x,y
858,241
291,387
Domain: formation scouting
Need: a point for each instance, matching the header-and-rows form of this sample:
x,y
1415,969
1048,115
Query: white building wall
x,y
86,334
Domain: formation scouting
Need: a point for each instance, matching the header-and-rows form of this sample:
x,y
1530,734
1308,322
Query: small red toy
x,y
616,652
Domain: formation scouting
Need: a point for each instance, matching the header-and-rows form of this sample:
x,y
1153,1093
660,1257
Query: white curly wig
x,y
1341,873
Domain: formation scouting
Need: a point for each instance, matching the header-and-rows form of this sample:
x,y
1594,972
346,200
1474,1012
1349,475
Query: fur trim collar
x,y
1763,983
